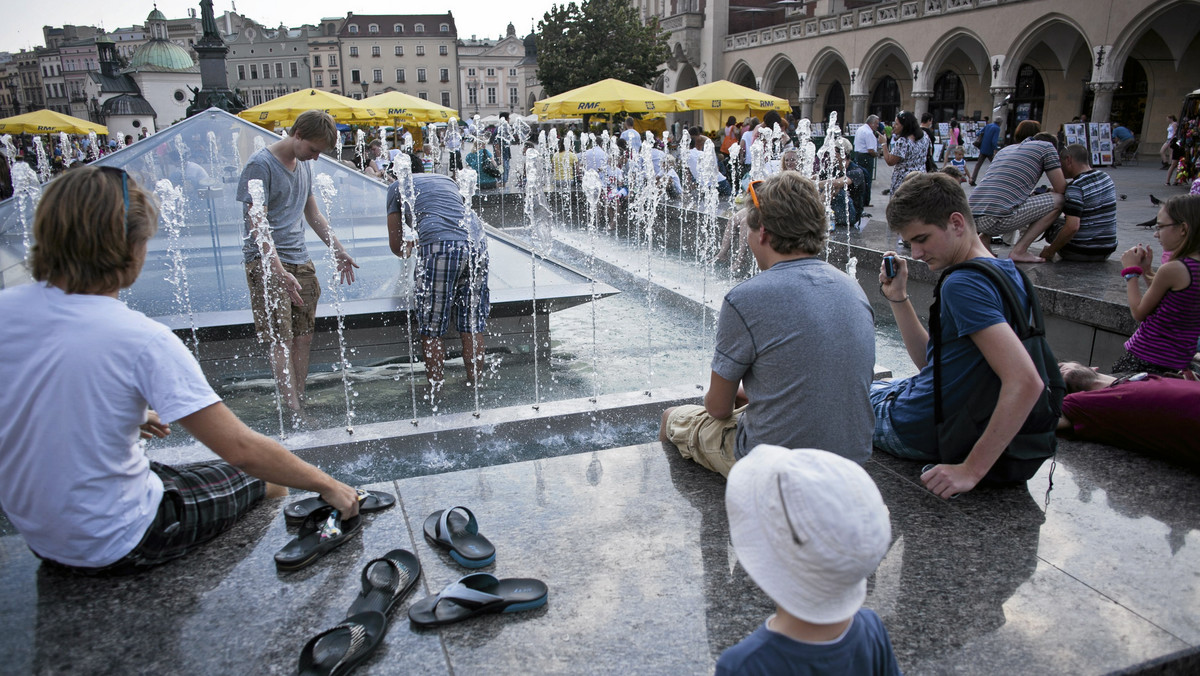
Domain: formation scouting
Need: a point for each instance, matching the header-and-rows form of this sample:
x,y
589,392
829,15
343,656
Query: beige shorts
x,y
287,320
709,441
1019,218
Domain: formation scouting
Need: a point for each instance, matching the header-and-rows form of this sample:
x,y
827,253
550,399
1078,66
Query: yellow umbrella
x,y
607,96
405,107
48,122
723,98
288,107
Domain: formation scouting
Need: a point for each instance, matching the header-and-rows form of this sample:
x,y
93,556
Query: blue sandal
x,y
478,594
450,529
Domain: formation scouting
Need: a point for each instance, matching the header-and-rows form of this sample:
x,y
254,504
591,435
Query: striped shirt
x,y
1167,337
1092,198
1012,177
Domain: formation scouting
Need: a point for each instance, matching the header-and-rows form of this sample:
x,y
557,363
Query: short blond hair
x,y
85,238
316,126
792,211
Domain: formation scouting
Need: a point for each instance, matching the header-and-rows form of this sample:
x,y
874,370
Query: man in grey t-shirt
x,y
795,345
284,307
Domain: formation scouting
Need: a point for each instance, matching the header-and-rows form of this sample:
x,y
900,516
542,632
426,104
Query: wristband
x,y
905,298
1132,271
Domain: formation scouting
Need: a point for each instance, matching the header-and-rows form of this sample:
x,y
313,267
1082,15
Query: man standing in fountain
x,y
288,319
452,268
795,345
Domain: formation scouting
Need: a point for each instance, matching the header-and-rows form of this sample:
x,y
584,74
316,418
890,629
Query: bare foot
x,y
1025,257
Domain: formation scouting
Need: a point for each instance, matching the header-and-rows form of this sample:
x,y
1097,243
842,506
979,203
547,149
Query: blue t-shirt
x,y
439,208
970,303
864,650
991,139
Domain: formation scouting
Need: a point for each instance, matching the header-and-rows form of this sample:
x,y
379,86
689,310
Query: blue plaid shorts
x,y
883,395
450,280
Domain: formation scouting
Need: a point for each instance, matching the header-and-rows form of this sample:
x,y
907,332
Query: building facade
x,y
490,75
324,55
265,63
1130,61
29,76
415,54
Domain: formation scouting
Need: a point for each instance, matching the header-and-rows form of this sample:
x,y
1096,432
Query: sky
x,y
471,17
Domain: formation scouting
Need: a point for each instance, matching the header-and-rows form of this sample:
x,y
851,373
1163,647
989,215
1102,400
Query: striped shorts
x,y
199,502
448,280
1019,218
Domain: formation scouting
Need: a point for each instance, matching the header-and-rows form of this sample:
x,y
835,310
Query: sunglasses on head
x,y
753,194
117,171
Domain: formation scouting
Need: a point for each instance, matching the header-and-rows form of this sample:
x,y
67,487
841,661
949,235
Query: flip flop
x,y
477,594
385,581
323,531
368,501
337,651
448,528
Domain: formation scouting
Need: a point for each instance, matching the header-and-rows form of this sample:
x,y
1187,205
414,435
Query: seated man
x,y
1004,201
795,345
484,164
930,211
74,479
702,163
1088,231
1140,412
1123,138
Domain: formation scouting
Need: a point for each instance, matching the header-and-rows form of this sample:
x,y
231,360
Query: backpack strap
x,y
1026,325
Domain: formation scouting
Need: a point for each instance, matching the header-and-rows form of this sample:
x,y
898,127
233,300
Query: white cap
x,y
809,527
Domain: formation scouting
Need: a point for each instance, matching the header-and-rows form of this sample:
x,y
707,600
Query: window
x,y
333,60
354,51
318,80
446,99
266,70
442,50
445,28
419,28
353,28
241,72
470,72
333,78
399,75
472,98
355,78
420,50
491,96
398,28
257,96
399,50
513,100
316,60
512,72
491,72
375,51
420,75
294,69
278,70
253,72
424,96
445,75
377,75
373,28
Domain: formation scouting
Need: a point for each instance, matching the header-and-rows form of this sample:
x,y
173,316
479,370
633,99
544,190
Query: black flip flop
x,y
337,651
368,501
385,581
449,528
323,531
478,594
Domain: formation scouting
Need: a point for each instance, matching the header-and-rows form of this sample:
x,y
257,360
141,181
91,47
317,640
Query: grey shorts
x,y
1023,216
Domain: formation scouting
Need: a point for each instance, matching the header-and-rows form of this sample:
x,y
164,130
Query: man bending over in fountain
x,y
452,269
795,345
81,372
287,320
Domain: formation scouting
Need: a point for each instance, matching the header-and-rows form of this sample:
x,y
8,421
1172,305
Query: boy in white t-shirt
x,y
809,527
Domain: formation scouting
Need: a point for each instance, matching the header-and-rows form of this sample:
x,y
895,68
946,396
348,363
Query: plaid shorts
x,y
287,320
449,280
1023,216
883,395
199,502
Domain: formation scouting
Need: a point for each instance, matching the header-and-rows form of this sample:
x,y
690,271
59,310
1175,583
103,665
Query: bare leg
x,y
472,344
301,347
662,430
1020,250
435,363
281,368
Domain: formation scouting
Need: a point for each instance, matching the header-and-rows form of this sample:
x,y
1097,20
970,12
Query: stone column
x,y
921,103
858,108
806,107
999,109
1102,104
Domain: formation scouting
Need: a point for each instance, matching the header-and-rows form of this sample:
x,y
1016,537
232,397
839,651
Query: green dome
x,y
161,54
156,15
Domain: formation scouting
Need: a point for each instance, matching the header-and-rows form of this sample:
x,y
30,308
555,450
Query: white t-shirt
x,y
865,139
633,138
594,159
78,372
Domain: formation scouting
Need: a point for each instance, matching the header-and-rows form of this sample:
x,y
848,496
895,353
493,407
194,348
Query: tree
x,y
581,44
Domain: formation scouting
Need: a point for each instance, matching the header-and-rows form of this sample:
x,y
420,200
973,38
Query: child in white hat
x,y
809,527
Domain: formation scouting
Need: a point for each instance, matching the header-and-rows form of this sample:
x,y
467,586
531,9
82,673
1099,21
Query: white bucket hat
x,y
809,527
